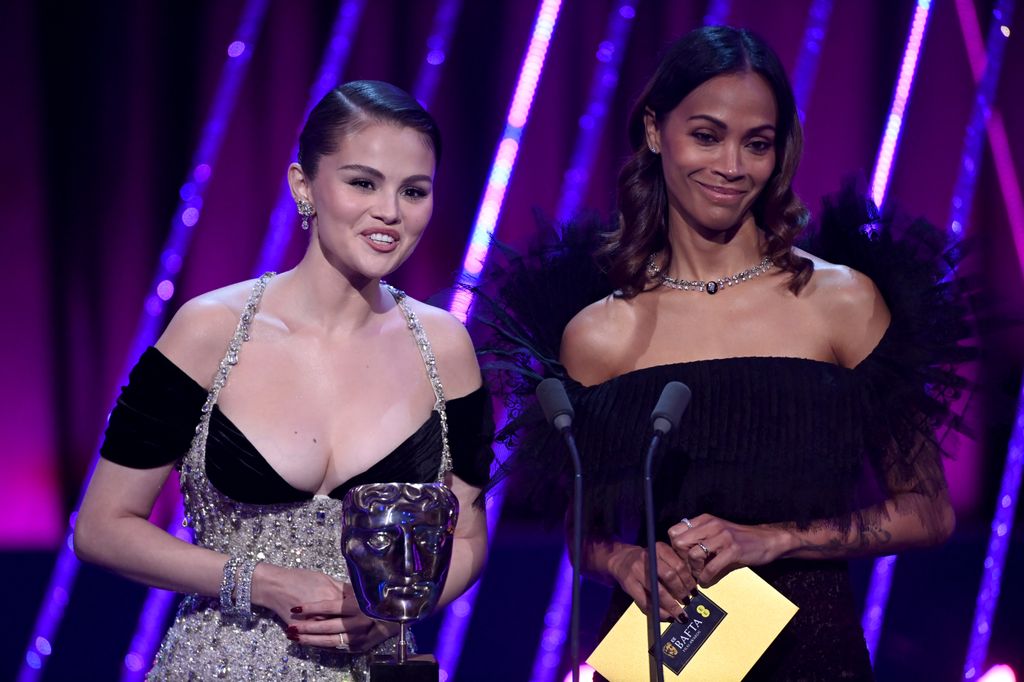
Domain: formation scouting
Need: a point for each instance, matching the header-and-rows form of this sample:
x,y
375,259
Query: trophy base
x,y
418,668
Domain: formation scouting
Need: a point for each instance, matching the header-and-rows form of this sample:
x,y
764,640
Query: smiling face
x,y
717,152
372,198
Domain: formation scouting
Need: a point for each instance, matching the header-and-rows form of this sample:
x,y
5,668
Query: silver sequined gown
x,y
203,643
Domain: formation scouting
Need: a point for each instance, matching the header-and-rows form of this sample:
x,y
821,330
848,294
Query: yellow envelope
x,y
754,615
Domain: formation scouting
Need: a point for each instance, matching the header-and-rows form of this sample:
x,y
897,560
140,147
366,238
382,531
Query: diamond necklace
x,y
711,286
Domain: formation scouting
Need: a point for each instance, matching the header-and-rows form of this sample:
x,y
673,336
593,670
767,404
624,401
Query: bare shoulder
x,y
198,334
456,357
589,352
851,306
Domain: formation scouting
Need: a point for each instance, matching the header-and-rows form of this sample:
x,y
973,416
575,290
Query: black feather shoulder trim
x,y
912,384
908,385
522,307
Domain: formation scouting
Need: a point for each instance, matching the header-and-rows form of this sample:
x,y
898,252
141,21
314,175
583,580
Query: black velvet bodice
x,y
155,418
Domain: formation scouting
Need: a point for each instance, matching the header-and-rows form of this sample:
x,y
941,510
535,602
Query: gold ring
x,y
342,644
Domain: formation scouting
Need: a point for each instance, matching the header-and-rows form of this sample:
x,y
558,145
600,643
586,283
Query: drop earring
x,y
305,210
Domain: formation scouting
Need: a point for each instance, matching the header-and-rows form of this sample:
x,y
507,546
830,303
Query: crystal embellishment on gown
x,y
205,644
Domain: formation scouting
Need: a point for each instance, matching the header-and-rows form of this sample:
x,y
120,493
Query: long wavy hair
x,y
695,58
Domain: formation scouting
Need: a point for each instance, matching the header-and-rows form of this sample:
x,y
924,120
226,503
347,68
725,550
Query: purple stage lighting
x,y
998,545
458,613
606,77
602,87
810,53
505,158
437,45
901,96
1002,521
881,574
718,12
283,216
158,602
457,616
171,258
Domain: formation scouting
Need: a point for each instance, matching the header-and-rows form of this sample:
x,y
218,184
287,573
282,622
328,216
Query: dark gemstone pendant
x,y
711,287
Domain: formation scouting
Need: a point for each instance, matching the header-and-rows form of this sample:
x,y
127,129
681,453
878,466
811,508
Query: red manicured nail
x,y
292,630
296,609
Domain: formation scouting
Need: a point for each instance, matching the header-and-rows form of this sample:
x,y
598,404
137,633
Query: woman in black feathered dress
x,y
802,370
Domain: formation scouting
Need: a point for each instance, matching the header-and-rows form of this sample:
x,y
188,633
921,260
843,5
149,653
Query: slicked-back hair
x,y
347,108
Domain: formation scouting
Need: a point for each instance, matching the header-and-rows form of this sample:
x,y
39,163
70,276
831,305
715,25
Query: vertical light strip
x,y
591,123
876,601
505,158
806,70
1006,504
997,139
158,602
459,612
186,215
963,190
1008,182
437,51
283,216
998,545
150,627
897,109
556,624
881,574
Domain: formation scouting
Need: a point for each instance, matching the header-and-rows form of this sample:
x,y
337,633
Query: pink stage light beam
x,y
505,158
881,575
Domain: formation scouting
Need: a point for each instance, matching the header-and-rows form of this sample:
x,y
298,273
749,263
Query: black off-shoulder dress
x,y
764,440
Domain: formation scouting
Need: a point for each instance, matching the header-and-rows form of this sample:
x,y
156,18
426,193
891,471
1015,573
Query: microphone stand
x,y
558,411
665,417
653,631
577,549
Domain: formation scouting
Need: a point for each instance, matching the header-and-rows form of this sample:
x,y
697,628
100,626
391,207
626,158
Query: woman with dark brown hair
x,y
273,398
800,369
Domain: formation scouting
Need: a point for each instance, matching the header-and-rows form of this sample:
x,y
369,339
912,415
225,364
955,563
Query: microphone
x,y
674,399
555,403
558,410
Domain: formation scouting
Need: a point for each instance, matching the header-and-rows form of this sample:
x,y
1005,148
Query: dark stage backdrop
x,y
103,108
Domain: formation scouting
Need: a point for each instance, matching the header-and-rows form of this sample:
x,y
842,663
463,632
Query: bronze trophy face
x,y
397,541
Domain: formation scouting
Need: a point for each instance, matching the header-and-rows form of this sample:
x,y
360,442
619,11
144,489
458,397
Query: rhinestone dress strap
x,y
430,363
241,334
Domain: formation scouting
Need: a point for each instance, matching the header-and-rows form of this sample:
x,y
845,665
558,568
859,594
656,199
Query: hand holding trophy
x,y
397,541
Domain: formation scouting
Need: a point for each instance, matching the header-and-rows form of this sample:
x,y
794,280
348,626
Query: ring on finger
x,y
704,548
342,642
686,521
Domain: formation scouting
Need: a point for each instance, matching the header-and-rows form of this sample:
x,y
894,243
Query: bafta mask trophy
x,y
397,541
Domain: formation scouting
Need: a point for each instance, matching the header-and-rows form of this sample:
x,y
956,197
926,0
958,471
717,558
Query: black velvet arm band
x,y
156,415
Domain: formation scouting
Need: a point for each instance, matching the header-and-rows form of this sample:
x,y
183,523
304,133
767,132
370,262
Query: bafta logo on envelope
x,y
727,628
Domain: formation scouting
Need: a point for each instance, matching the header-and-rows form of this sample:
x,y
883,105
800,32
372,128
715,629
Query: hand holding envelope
x,y
729,626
